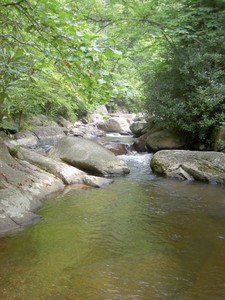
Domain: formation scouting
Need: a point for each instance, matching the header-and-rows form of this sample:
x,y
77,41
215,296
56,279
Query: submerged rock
x,y
88,156
116,147
190,165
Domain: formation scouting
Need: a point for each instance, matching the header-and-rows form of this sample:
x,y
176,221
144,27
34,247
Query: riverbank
x,y
29,172
28,175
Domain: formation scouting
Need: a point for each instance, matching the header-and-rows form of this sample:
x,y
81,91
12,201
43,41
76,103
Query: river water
x,y
142,237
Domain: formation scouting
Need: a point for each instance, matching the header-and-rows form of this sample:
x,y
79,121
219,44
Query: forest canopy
x,y
63,57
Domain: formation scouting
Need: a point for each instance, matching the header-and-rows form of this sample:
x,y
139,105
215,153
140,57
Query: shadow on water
x,y
142,237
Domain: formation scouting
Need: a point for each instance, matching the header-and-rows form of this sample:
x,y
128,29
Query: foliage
x,y
177,48
67,56
187,98
188,91
48,41
116,20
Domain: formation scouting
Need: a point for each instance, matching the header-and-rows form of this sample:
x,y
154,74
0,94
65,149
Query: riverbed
x,y
142,237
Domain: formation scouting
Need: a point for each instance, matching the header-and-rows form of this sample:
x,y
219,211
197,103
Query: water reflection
x,y
135,239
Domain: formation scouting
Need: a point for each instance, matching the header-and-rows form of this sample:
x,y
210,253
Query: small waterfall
x,y
139,164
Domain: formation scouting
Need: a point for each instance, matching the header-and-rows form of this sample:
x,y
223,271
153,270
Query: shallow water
x,y
143,237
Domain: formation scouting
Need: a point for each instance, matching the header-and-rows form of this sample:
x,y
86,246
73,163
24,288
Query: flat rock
x,y
68,174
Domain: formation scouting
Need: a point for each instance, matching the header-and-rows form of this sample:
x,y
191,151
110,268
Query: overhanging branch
x,y
17,40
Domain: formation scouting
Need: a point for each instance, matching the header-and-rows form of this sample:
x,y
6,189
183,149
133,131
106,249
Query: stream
x,y
142,237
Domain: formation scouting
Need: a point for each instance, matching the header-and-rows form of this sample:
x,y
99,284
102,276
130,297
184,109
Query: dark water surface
x,y
142,237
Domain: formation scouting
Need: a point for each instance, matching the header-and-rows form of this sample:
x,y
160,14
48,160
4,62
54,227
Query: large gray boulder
x,y
68,174
165,138
27,178
115,124
190,165
88,156
155,136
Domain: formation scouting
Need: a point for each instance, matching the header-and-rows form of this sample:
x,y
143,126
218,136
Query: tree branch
x,y
110,21
12,3
14,38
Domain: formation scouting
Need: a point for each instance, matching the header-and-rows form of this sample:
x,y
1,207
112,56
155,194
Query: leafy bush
x,y
189,95
188,91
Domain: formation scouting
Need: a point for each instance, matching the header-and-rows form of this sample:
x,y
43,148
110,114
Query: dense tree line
x,y
167,56
188,90
176,52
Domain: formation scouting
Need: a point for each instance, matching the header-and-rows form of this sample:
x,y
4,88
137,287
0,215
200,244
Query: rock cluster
x,y
27,177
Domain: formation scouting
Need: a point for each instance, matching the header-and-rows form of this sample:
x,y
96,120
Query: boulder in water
x,y
191,165
88,156
116,147
68,174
